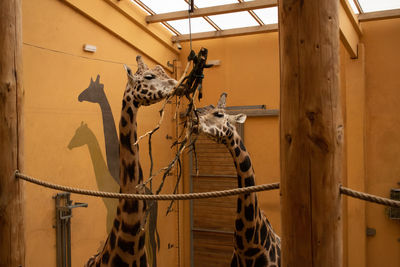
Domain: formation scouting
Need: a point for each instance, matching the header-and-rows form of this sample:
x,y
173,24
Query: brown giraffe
x,y
255,242
125,245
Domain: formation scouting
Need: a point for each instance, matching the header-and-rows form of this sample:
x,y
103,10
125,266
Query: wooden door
x,y
213,219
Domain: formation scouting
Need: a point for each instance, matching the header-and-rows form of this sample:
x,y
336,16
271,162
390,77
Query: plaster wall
x,y
382,57
56,71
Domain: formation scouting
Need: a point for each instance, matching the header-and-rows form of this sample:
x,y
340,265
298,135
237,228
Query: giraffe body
x,y
255,242
125,245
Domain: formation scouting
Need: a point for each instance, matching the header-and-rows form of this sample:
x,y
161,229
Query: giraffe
x,y
255,242
85,136
125,245
95,93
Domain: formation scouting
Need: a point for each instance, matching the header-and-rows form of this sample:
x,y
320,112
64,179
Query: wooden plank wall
x,y
213,219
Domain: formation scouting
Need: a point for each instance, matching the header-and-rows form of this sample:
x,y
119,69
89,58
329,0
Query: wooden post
x,y
311,133
12,244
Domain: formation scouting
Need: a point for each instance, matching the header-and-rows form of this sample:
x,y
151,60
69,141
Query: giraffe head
x,y
147,86
216,123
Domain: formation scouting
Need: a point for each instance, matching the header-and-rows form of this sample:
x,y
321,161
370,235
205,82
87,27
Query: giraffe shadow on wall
x,y
94,93
105,182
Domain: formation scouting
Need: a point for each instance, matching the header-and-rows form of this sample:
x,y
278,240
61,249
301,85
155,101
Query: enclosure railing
x,y
214,194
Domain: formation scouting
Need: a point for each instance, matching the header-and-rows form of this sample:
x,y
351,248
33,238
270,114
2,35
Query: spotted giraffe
x,y
255,242
125,245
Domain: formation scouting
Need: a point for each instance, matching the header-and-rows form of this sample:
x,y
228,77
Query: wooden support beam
x,y
311,133
12,243
379,15
226,33
215,10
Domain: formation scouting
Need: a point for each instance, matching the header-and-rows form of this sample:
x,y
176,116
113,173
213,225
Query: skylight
x,y
256,17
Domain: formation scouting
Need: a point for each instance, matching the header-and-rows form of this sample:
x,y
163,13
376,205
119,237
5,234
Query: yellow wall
x,y
382,57
56,71
249,73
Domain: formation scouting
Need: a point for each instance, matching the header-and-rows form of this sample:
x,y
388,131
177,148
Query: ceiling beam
x,y
214,10
379,15
226,33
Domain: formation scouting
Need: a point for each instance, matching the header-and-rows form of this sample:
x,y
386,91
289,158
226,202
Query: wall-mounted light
x,y
215,62
89,48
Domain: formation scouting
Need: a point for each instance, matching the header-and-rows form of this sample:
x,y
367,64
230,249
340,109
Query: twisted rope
x,y
214,194
369,197
223,193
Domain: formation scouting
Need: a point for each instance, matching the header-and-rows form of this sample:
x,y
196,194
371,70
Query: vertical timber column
x,y
12,244
311,133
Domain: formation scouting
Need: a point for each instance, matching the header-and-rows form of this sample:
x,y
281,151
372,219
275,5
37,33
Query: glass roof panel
x,y
234,20
164,6
378,5
268,15
208,3
353,7
197,24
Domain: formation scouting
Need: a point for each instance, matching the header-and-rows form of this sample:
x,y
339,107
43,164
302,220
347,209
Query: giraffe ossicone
x,y
255,242
125,245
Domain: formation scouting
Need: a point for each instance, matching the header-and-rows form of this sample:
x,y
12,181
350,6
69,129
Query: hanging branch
x,y
190,86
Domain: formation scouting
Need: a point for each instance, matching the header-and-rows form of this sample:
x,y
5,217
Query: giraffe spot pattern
x,y
249,212
130,229
116,224
143,261
125,141
249,181
261,261
136,104
239,181
239,225
123,121
130,113
239,205
263,233
123,104
128,99
239,242
251,252
237,151
112,240
249,262
245,164
131,206
272,255
118,262
129,172
242,147
105,258
234,262
126,246
141,241
249,234
256,236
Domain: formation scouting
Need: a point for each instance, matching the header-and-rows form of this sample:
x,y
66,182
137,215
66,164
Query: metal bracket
x,y
64,206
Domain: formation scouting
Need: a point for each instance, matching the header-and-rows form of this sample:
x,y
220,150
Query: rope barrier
x,y
215,194
370,198
223,193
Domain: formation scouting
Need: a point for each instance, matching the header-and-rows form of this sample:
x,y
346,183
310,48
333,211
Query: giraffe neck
x,y
125,245
130,170
247,204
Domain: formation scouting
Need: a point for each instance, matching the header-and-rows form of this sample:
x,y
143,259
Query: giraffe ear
x,y
222,100
128,70
240,118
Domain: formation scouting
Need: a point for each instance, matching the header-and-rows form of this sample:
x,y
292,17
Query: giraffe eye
x,y
218,114
149,76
